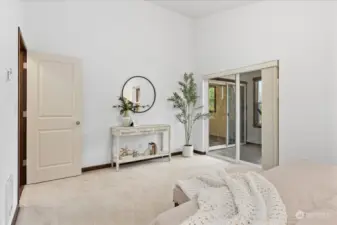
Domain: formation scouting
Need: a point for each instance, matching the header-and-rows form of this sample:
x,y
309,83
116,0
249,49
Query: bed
x,y
303,186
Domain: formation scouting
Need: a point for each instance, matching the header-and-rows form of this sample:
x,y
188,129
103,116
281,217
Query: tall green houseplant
x,y
125,107
186,102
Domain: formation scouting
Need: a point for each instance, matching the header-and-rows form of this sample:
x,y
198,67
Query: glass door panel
x,y
242,114
231,112
217,122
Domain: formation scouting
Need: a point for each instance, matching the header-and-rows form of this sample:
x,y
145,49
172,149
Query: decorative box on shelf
x,y
122,155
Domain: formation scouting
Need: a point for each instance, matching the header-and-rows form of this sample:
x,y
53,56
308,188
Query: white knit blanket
x,y
234,199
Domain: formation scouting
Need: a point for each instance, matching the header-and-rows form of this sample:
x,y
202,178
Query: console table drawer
x,y
146,130
161,129
128,132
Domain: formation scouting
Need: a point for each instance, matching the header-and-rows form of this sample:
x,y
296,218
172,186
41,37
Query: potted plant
x,y
188,115
125,107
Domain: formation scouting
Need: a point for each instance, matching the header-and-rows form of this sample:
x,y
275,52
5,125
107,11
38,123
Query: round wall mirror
x,y
141,92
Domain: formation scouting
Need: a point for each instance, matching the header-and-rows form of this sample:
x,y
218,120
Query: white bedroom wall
x,y
115,40
301,35
9,20
331,98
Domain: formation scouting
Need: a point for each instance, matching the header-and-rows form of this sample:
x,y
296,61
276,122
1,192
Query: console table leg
x,y
113,151
169,143
117,154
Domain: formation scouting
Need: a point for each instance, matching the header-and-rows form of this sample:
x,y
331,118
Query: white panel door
x,y
270,121
54,105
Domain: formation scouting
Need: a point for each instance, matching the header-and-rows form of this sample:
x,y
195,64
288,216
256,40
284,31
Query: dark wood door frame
x,y
22,107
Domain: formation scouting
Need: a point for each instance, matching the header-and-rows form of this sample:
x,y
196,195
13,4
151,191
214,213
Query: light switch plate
x,y
9,74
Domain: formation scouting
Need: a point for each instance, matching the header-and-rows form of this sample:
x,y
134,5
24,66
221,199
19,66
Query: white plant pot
x,y
188,151
126,121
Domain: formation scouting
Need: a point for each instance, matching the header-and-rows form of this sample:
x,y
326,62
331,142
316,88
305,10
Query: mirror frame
x,y
154,92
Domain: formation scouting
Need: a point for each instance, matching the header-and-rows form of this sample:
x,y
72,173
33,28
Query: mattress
x,y
303,186
177,215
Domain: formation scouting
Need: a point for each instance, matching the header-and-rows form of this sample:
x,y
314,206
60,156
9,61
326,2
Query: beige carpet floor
x,y
133,196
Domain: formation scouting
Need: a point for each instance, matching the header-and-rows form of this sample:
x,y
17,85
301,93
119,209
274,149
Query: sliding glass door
x,y
222,105
242,119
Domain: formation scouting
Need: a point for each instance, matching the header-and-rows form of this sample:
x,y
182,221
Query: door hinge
x,y
24,114
25,65
24,162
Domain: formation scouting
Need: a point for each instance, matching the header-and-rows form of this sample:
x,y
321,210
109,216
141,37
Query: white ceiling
x,y
200,8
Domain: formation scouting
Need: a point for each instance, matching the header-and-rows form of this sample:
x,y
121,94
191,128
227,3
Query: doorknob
x,y
78,122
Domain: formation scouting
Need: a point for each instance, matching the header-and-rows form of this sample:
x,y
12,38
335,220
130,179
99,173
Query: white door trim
x,y
237,117
270,118
227,116
245,69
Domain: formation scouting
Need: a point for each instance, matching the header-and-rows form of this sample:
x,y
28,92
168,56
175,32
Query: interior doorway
x,y
22,115
246,139
49,116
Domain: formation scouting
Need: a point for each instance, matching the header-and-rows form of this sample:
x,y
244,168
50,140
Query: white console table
x,y
118,132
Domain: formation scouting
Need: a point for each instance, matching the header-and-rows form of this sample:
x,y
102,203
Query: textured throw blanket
x,y
234,199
